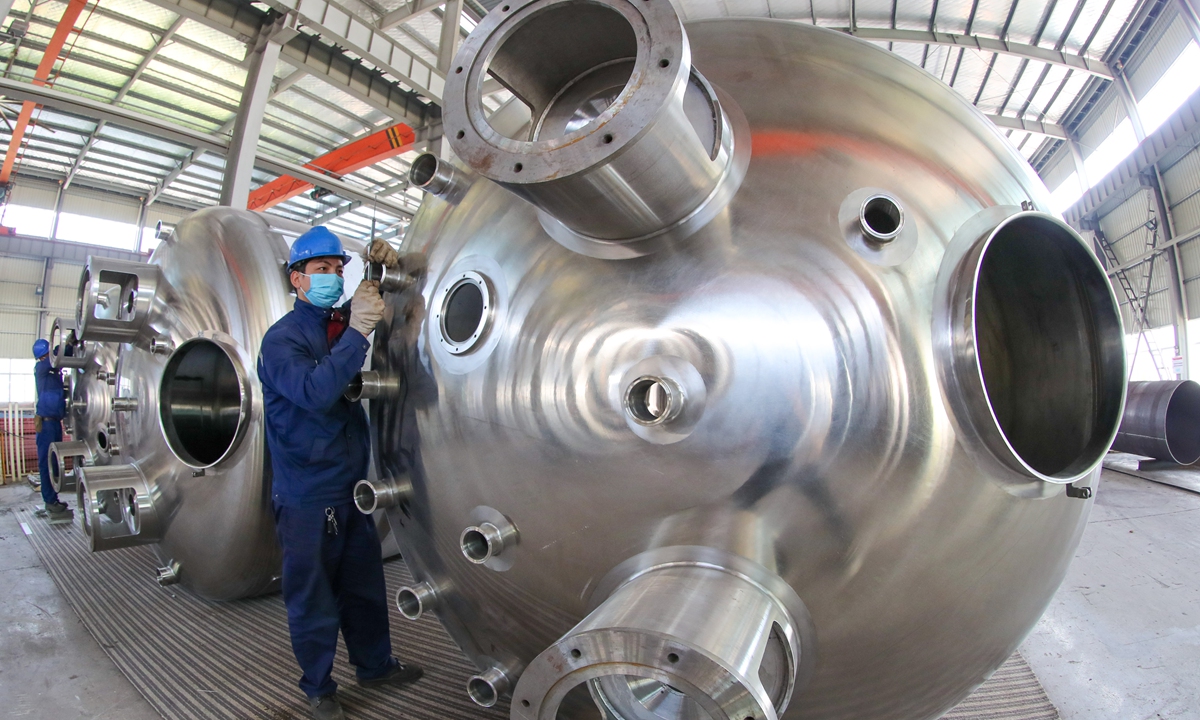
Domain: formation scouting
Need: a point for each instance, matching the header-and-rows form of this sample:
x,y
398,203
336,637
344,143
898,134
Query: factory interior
x,y
600,359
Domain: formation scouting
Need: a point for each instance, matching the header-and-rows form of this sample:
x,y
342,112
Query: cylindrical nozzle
x,y
370,496
115,297
413,601
124,404
369,384
438,177
629,147
62,340
486,688
736,654
140,522
169,574
61,479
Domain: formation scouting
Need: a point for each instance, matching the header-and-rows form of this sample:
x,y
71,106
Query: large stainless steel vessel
x,y
750,379
166,406
1162,421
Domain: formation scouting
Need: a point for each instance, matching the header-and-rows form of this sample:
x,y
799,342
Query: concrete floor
x,y
51,667
1120,641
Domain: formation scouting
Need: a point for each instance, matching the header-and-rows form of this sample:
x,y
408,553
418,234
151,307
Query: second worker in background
x,y
320,447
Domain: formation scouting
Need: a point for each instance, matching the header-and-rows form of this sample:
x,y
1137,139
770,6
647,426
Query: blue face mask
x,y
324,290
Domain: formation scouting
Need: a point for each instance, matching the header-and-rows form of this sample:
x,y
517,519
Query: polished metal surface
x,y
176,411
874,427
1162,421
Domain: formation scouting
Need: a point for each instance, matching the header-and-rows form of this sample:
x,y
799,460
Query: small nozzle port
x,y
476,547
364,497
881,218
416,600
486,688
653,400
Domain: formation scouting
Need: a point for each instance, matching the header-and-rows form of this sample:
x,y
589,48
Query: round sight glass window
x,y
465,313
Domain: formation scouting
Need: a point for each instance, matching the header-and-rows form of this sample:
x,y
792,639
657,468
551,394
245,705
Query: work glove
x,y
366,307
381,252
37,423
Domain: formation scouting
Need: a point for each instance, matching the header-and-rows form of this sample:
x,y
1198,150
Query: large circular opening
x,y
1183,423
200,402
575,55
1049,346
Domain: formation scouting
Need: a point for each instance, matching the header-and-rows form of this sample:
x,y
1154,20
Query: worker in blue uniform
x,y
320,447
48,413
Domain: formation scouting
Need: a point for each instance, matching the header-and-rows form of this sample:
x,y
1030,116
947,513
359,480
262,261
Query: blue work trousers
x,y
333,581
51,433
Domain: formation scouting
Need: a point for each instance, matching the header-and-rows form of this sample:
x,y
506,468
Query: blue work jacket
x,y
51,397
318,440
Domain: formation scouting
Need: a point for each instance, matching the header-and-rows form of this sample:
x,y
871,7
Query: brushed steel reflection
x,y
817,437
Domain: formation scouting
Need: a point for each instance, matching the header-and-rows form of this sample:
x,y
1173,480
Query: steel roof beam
x,y
408,12
343,28
1030,126
133,77
157,127
987,44
1181,130
319,59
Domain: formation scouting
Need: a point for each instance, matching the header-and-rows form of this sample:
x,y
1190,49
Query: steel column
x,y
451,33
1178,289
239,161
65,25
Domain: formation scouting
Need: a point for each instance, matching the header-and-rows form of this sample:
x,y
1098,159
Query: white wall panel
x,y
1109,113
34,193
22,270
65,274
1181,183
106,206
1145,70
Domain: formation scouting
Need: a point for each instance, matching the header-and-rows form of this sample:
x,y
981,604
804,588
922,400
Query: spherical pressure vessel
x,y
746,381
166,406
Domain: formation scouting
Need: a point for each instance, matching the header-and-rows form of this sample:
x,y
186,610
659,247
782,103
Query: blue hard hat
x,y
318,242
40,347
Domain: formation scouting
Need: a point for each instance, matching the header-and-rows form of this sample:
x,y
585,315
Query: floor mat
x,y
196,659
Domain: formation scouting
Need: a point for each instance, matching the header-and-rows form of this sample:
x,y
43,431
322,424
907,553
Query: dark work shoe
x,y
401,674
58,512
326,708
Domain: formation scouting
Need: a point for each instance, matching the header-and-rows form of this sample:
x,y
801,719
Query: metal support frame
x,y
31,247
322,60
407,12
44,305
1191,16
986,44
1178,289
340,26
352,156
66,25
239,161
58,201
1036,127
451,34
133,78
1077,158
196,139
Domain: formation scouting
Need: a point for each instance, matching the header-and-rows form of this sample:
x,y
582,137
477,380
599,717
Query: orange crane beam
x,y
352,156
66,25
